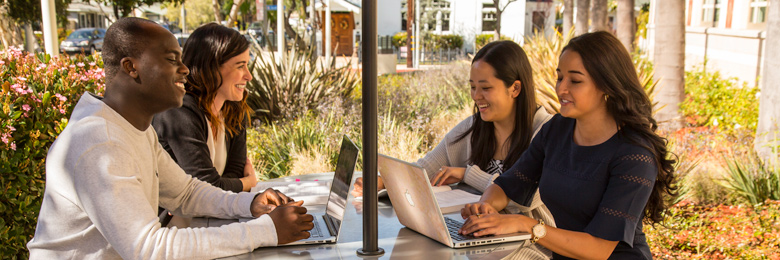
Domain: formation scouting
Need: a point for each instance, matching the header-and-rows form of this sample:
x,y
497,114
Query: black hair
x,y
613,72
511,64
123,39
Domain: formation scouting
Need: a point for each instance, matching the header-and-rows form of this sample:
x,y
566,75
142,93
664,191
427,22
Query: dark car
x,y
86,40
255,29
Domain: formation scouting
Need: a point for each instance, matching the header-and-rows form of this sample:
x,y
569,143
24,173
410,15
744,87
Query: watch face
x,y
539,231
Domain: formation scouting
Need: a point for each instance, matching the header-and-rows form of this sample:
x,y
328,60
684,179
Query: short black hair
x,y
123,39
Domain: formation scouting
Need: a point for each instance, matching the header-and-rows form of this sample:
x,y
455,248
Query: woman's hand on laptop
x,y
477,209
291,222
267,201
448,175
493,224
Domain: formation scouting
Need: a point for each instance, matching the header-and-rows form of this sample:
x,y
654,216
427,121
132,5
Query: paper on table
x,y
311,192
453,200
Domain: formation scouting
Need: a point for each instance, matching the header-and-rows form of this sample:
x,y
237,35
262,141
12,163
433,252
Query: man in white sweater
x,y
106,174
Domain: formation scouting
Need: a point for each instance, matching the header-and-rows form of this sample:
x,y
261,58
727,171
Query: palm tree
x,y
768,129
598,19
568,16
583,15
626,23
669,60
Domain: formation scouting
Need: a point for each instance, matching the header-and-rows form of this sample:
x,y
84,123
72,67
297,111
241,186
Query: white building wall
x,y
388,18
466,20
513,20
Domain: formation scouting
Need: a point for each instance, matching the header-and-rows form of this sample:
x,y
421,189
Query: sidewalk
x,y
399,68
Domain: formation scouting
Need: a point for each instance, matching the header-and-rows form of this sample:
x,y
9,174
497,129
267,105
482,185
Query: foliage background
x,y
38,95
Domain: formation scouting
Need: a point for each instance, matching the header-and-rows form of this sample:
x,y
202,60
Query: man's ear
x,y
128,66
516,88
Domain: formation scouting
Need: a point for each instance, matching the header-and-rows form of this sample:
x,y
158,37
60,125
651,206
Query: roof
x,y
340,5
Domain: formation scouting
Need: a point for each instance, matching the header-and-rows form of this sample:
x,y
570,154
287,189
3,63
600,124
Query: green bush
x,y
483,39
399,39
711,100
38,95
299,83
751,180
446,41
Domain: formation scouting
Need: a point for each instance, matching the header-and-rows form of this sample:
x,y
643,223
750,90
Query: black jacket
x,y
183,133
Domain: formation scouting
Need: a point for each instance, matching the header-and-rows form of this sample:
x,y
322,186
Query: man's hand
x,y
291,222
267,201
448,175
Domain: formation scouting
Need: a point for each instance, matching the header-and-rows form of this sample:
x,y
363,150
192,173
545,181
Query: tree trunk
x,y
767,142
300,45
497,3
217,11
669,61
626,22
583,13
568,16
9,32
598,19
234,12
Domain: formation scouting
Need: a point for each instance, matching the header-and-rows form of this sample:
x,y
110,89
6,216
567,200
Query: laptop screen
x,y
345,167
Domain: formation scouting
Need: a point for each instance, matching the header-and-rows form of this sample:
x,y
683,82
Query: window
x,y
538,20
758,11
488,17
403,15
711,12
445,21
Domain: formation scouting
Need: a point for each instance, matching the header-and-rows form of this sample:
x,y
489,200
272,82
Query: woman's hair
x,y
206,49
613,72
511,64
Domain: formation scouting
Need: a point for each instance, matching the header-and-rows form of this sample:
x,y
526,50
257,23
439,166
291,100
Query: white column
x,y
280,46
183,19
50,28
417,40
327,31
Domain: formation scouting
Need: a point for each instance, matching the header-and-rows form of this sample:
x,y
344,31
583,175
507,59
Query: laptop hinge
x,y
329,223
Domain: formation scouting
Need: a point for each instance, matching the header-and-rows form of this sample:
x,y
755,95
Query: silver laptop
x,y
327,224
415,205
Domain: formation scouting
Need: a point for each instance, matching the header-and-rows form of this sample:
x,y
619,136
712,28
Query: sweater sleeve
x,y
183,134
113,194
236,158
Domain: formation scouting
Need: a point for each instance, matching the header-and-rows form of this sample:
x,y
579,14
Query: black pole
x,y
370,233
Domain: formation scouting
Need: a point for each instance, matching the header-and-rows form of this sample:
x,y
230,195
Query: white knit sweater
x,y
104,182
456,154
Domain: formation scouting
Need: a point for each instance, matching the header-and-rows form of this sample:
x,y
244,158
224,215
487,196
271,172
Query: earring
x,y
606,97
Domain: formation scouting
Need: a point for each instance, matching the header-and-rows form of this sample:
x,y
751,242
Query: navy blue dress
x,y
601,190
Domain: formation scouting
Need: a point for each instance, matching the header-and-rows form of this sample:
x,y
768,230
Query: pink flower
x,y
72,66
62,111
4,138
2,62
92,64
80,64
26,107
21,78
13,146
10,127
61,97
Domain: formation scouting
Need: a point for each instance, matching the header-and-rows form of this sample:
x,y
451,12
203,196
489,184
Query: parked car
x,y
85,40
181,38
255,29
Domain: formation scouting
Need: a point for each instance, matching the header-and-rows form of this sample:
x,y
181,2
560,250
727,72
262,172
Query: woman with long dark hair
x,y
207,135
506,117
599,166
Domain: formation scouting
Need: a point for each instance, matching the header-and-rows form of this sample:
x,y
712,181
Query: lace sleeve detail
x,y
638,157
519,175
617,213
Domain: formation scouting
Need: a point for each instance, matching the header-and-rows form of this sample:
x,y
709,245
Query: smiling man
x,y
106,173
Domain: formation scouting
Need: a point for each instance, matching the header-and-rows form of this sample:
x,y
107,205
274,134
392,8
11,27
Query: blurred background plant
x,y
38,95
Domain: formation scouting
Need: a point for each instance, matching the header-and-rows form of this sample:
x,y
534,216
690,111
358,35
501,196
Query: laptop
x,y
327,224
416,207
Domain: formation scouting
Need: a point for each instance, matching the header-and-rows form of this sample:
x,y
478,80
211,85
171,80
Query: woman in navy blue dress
x,y
599,165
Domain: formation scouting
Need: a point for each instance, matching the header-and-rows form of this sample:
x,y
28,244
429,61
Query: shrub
x,y
751,180
38,95
399,39
711,100
483,39
446,41
543,53
297,84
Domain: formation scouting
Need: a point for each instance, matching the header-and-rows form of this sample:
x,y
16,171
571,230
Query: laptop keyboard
x,y
316,232
454,226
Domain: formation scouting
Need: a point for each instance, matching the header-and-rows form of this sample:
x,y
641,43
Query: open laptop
x,y
327,224
416,207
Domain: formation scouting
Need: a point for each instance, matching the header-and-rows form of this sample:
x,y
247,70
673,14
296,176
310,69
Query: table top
x,y
397,241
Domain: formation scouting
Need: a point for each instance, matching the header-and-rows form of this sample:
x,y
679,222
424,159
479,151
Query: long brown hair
x,y
206,49
510,63
613,72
